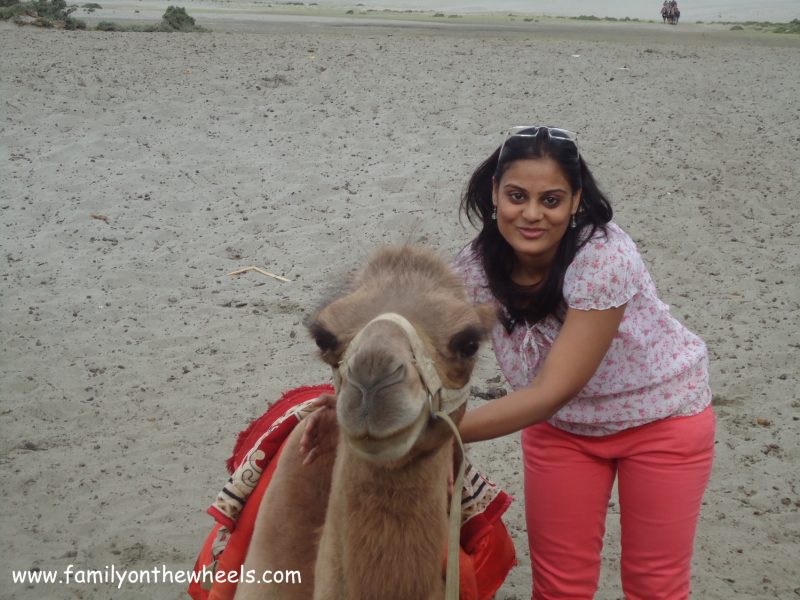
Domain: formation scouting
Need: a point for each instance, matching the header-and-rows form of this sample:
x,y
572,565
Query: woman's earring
x,y
572,222
494,214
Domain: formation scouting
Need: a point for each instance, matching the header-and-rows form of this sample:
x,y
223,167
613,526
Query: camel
x,y
370,520
670,12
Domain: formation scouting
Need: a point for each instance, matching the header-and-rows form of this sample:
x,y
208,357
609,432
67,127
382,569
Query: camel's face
x,y
383,407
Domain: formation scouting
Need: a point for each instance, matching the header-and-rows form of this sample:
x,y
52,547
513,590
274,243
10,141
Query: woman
x,y
606,382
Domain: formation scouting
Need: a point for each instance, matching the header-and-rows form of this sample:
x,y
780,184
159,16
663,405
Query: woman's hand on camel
x,y
320,435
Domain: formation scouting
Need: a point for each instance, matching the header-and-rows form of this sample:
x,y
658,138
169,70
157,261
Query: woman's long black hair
x,y
532,303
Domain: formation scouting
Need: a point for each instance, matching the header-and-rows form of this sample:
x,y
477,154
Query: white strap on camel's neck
x,y
449,399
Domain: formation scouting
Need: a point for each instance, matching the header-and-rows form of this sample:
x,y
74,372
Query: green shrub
x,y
55,10
737,28
42,13
792,26
71,23
9,12
176,19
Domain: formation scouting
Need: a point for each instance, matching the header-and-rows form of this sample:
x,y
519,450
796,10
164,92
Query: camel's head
x,y
405,310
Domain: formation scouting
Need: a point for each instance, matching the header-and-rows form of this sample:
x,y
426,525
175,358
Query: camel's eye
x,y
466,342
325,340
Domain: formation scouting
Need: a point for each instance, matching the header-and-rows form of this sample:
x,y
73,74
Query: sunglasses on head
x,y
531,131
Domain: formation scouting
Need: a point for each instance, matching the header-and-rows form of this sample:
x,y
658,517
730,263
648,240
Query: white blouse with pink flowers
x,y
655,367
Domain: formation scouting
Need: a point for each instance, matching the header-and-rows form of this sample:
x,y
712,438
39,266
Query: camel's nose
x,y
374,368
381,395
378,362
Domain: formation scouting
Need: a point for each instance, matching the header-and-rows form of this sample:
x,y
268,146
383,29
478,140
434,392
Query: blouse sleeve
x,y
467,265
607,272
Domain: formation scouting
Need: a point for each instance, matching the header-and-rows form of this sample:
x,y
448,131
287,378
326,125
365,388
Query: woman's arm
x,y
573,359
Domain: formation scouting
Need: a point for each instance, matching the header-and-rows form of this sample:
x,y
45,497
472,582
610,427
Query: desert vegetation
x,y
58,14
792,26
41,13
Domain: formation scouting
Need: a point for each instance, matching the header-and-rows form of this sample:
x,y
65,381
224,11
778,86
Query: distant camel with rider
x,y
669,12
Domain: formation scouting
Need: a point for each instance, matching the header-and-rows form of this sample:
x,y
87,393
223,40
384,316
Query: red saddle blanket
x,y
486,555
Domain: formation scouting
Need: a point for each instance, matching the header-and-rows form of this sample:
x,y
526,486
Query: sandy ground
x,y
130,359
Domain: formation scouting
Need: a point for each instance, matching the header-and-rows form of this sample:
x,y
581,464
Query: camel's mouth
x,y
391,446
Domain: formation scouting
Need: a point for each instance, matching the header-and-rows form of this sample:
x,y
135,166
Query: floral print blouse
x,y
655,367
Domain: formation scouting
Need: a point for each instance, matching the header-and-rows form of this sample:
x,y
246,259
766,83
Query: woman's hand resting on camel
x,y
321,432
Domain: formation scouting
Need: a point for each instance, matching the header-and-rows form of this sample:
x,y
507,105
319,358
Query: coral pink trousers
x,y
662,470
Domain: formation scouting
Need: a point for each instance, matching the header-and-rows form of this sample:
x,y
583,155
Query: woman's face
x,y
534,204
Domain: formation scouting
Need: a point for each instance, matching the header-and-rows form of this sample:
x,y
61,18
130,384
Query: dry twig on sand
x,y
258,270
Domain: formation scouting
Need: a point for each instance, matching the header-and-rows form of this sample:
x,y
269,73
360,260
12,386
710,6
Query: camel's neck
x,y
402,512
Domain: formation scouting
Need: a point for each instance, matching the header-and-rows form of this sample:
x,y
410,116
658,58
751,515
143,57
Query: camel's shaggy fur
x,y
383,530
